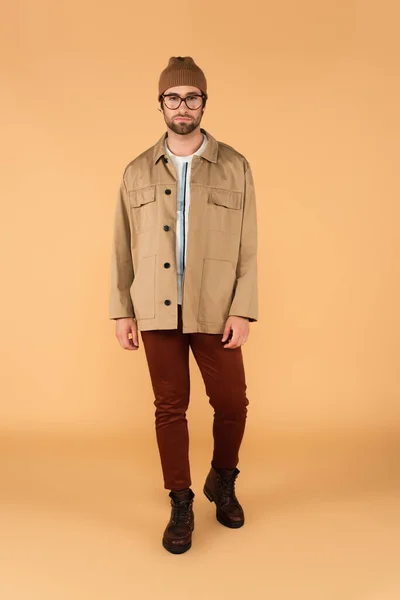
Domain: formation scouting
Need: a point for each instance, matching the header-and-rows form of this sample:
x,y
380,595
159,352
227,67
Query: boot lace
x,y
228,488
181,512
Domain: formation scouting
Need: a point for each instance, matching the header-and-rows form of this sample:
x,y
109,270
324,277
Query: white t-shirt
x,y
183,166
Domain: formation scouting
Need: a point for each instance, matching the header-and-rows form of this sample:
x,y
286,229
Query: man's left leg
x,y
223,374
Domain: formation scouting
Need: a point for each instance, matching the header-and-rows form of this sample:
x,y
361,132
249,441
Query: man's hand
x,y
240,327
127,333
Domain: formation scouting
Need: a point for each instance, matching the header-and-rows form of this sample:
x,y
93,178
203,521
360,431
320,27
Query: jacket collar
x,y
210,151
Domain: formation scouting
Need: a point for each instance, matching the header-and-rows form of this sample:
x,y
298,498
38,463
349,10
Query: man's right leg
x,y
167,354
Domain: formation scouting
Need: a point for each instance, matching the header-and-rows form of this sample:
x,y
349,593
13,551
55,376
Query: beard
x,y
183,127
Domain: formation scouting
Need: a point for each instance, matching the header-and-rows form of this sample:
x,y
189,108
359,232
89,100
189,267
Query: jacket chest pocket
x,y
224,210
143,207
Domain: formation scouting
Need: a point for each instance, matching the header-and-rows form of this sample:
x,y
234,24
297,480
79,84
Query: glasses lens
x,y
171,101
193,102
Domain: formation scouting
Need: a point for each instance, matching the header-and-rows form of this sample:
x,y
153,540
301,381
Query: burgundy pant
x,y
167,355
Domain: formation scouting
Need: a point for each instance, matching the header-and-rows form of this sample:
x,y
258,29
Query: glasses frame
x,y
202,96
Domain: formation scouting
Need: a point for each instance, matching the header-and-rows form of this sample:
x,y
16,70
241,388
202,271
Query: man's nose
x,y
183,108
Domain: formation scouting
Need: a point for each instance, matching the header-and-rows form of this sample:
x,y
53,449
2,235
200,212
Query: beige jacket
x,y
220,277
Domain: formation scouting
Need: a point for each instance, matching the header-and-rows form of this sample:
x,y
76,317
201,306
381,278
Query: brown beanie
x,y
181,70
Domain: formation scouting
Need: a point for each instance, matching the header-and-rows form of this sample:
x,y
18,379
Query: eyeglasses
x,y
173,101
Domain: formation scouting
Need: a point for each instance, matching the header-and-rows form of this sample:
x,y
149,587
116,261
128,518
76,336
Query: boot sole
x,y
219,519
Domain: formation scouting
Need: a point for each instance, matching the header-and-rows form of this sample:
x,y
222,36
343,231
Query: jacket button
x,y
166,227
167,191
165,159
167,265
167,302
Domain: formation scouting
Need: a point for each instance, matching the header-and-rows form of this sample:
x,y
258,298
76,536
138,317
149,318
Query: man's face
x,y
191,118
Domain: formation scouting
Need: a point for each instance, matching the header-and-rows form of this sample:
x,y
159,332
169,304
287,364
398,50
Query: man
x,y
184,274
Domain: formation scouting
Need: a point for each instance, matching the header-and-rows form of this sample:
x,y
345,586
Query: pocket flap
x,y
227,198
142,196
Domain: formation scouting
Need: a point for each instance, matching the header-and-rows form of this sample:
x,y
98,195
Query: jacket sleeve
x,y
122,273
245,299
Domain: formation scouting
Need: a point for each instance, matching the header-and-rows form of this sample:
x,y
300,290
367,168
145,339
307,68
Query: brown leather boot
x,y
220,488
177,536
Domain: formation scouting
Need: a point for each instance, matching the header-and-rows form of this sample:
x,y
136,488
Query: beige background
x,y
309,92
